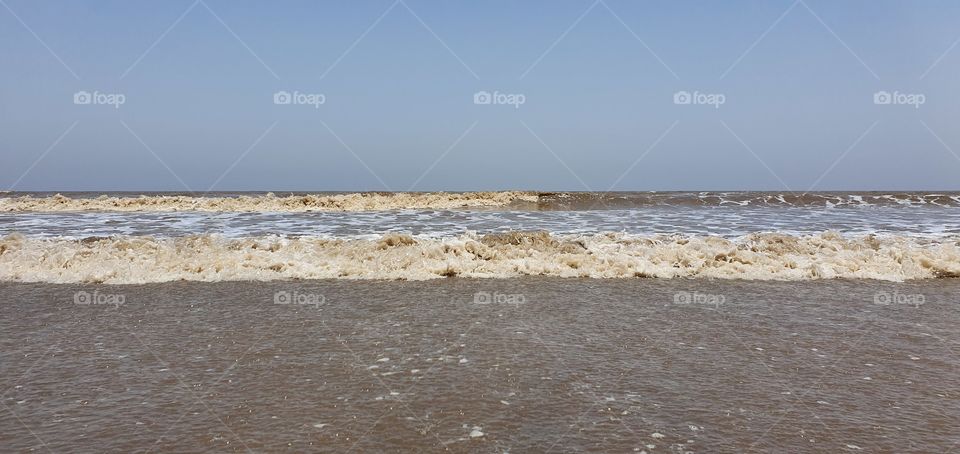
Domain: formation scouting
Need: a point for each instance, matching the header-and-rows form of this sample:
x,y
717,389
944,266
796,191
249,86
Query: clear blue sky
x,y
598,81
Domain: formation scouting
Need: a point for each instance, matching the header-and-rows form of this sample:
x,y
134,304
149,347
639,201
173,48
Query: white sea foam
x,y
373,201
270,203
126,260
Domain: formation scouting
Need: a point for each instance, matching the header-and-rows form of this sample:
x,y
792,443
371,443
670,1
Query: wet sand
x,y
464,365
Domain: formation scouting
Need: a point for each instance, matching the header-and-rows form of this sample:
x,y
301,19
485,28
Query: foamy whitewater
x,y
125,260
268,202
121,239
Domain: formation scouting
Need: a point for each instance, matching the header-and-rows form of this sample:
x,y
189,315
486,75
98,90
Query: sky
x,y
218,95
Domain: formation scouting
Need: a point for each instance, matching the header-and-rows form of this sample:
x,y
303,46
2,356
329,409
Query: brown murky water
x,y
527,365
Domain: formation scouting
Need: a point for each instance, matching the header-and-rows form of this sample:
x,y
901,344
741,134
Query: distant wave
x,y
130,260
626,200
521,200
269,202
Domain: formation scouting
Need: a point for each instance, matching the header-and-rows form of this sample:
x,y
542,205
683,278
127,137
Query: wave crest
x,y
131,260
367,201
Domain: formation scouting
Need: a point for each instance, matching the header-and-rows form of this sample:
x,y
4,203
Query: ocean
x,y
480,322
125,239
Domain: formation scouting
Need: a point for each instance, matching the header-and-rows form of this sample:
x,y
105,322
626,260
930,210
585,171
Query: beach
x,y
480,322
411,226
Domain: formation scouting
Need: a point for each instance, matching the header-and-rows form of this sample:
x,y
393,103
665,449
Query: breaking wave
x,y
521,200
368,201
763,256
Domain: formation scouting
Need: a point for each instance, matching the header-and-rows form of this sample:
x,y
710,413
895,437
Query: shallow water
x,y
526,365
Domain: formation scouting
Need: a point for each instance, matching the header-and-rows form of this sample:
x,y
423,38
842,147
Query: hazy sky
x,y
601,86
